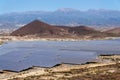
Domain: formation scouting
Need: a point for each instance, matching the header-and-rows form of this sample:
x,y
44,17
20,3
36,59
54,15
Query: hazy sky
x,y
7,6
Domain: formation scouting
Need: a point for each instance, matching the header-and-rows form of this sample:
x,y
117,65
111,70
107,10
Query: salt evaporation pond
x,y
20,55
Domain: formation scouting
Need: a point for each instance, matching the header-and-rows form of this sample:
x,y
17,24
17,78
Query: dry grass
x,y
1,42
110,72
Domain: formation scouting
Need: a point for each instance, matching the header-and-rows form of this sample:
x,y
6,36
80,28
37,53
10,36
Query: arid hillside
x,y
114,30
40,29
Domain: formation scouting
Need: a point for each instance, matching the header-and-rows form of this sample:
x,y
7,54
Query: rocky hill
x,y
40,29
114,30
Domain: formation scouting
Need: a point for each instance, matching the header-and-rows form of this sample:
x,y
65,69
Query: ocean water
x,y
19,55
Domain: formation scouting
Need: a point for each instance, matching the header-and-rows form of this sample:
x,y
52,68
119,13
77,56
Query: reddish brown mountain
x,y
81,30
114,30
39,28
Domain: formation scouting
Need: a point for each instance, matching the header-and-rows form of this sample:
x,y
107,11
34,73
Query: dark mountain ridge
x,y
114,30
41,29
68,17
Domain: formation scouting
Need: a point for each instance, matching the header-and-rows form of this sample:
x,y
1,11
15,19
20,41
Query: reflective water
x,y
21,55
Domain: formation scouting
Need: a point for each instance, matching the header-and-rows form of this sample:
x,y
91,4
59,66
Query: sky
x,y
8,6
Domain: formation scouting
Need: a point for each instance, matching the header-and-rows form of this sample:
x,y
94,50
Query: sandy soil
x,y
28,38
35,71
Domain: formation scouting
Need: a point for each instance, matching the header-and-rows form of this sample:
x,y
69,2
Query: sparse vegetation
x,y
1,42
96,73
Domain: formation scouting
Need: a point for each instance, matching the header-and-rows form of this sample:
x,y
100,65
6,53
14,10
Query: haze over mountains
x,y
69,17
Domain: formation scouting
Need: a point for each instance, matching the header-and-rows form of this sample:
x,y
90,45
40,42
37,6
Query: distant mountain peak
x,y
65,16
67,10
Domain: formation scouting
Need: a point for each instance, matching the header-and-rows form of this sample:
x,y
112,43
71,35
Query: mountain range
x,y
38,28
68,17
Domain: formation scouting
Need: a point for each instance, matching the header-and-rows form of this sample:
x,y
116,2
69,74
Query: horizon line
x,y
59,9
